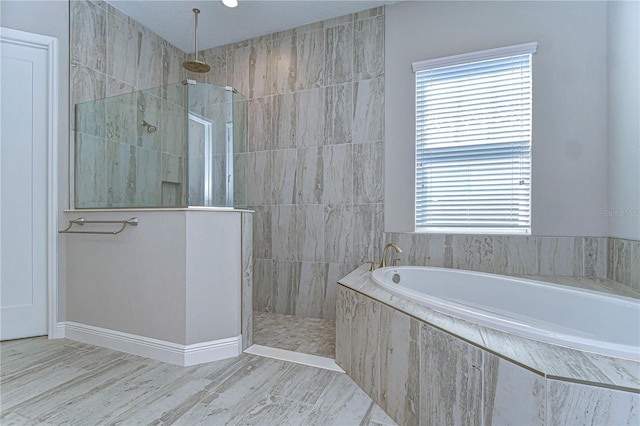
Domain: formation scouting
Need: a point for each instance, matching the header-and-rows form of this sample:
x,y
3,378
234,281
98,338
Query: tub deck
x,y
548,360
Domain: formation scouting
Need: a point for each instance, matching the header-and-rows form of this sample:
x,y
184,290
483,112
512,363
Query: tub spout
x,y
383,262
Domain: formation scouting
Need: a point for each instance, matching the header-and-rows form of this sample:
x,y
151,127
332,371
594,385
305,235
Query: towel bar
x,y
81,221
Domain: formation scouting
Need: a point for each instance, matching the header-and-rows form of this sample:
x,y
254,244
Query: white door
x,y
23,189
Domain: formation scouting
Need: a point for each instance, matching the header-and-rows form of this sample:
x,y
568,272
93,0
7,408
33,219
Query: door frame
x,y
50,45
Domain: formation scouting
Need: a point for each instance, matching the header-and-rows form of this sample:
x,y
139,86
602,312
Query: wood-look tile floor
x,y
54,382
307,335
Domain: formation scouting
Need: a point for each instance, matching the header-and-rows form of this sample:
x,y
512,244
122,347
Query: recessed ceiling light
x,y
230,3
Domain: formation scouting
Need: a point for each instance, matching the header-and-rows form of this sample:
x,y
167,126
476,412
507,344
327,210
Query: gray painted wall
x,y
623,31
569,182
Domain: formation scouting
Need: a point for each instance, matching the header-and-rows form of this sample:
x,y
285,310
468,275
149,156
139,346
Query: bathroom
x,y
324,128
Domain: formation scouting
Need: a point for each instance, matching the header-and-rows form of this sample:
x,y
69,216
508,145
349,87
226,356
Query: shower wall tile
x,y
399,365
218,75
560,256
121,173
262,227
515,254
260,174
620,260
368,104
310,121
122,50
240,69
172,59
116,87
450,379
173,168
149,109
311,291
368,168
122,119
285,294
259,69
369,13
310,235
284,64
367,229
87,85
263,279
339,53
89,35
148,182
368,48
149,70
310,60
512,394
309,176
259,132
338,233
338,119
284,176
337,174
285,117
90,156
573,403
473,252
284,240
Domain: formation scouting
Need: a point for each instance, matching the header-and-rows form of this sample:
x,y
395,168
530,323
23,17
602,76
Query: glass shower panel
x,y
172,146
212,143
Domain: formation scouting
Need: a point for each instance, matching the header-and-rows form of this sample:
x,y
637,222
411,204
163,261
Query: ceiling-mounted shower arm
x,y
196,65
196,12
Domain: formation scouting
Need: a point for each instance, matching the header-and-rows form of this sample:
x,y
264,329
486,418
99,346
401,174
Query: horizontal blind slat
x,y
473,144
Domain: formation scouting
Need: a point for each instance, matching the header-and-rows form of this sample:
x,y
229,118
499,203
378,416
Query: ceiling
x,y
219,25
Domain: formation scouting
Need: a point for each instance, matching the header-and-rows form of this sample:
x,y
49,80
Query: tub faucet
x,y
383,262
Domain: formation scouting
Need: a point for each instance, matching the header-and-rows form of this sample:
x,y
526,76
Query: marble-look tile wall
x,y
121,164
624,262
315,131
506,254
421,375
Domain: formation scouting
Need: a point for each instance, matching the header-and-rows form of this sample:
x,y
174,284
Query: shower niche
x,y
179,145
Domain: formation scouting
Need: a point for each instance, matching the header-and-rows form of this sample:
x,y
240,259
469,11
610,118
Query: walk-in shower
x,y
172,146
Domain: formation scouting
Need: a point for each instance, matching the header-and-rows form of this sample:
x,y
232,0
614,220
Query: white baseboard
x,y
58,331
171,353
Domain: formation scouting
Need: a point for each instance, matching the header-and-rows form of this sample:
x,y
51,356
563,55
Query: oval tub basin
x,y
572,317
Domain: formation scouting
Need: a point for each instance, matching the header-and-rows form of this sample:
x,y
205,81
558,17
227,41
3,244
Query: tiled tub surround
x,y
423,367
624,262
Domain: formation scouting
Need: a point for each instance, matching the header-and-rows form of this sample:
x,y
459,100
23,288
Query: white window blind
x,y
473,141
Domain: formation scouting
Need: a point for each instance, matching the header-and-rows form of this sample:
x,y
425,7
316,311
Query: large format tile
x,y
310,122
339,53
88,32
338,109
368,48
368,110
573,403
368,172
309,177
310,60
365,344
399,363
451,379
337,174
512,394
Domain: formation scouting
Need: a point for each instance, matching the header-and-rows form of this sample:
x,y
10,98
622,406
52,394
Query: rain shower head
x,y
196,65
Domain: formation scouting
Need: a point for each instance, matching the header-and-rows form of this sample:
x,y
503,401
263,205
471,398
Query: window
x,y
473,141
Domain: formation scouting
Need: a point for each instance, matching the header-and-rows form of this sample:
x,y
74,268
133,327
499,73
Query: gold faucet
x,y
383,263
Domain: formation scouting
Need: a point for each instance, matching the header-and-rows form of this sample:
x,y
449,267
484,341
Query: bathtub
x,y
566,316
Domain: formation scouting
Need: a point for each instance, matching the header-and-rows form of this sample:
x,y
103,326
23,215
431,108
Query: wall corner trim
x,y
169,352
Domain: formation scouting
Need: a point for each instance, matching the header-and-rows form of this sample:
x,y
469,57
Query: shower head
x,y
196,65
150,128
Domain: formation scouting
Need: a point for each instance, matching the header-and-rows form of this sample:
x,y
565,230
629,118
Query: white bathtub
x,y
580,319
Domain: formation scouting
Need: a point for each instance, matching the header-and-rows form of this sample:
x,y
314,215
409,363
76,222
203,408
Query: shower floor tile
x,y
307,335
